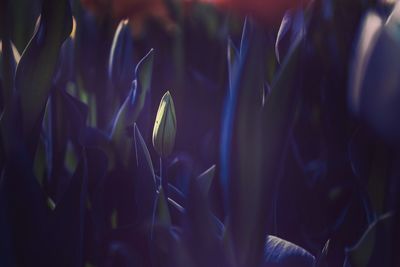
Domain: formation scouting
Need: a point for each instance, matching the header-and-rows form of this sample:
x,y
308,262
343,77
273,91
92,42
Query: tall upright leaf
x,y
35,70
9,58
133,105
145,181
241,151
253,144
121,62
292,27
67,221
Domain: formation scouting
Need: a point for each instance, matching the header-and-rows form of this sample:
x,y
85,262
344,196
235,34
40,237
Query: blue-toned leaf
x,y
65,122
250,163
233,57
374,83
283,32
241,157
121,62
173,192
281,253
292,27
65,66
200,233
369,33
246,36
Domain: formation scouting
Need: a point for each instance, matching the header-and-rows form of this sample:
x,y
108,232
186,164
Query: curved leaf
x,y
121,61
292,27
131,108
9,59
281,253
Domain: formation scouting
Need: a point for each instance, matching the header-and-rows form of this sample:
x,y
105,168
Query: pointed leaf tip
x,y
205,179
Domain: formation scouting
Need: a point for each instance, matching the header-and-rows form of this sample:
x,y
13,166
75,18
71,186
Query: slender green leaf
x,y
131,108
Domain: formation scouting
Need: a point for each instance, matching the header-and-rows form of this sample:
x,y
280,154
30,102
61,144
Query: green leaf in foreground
x,y
38,62
132,106
9,59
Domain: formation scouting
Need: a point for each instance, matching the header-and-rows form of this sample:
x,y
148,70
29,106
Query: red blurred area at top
x,y
126,8
266,11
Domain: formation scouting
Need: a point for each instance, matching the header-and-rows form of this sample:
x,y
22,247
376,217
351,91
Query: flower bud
x,y
164,130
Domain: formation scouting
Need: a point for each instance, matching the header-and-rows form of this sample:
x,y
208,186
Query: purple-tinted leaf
x,y
200,234
241,152
233,56
9,59
144,178
67,224
369,33
121,254
179,171
167,248
292,27
65,65
281,253
64,124
121,64
252,150
374,83
282,33
23,203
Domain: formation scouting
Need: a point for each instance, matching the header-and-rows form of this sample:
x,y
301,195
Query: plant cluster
x,y
219,141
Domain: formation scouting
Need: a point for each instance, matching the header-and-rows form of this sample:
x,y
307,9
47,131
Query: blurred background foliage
x,y
282,118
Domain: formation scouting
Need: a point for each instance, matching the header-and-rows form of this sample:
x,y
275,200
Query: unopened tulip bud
x,y
165,126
